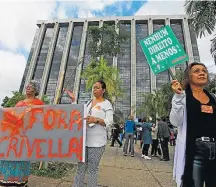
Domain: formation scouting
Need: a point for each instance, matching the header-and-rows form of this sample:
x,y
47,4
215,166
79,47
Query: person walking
x,y
115,137
154,140
194,113
16,173
100,116
146,138
129,135
164,135
121,132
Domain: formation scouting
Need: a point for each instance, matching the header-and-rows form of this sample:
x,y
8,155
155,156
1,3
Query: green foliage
x,y
101,71
154,104
105,40
46,99
55,169
4,101
17,96
159,102
203,16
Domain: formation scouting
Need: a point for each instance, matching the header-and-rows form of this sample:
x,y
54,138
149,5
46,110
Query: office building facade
x,y
213,49
60,45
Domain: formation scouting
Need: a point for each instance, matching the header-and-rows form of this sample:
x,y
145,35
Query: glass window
x,y
124,65
194,44
72,62
143,83
106,38
163,77
56,63
41,59
29,59
177,28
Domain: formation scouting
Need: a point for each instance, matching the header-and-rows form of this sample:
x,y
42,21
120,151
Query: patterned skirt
x,y
14,173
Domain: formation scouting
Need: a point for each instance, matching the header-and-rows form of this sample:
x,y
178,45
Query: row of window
x,y
143,81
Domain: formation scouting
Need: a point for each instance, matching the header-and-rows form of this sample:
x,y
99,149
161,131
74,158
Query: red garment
x,y
32,103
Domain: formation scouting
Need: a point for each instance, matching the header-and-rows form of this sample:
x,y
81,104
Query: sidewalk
x,y
117,170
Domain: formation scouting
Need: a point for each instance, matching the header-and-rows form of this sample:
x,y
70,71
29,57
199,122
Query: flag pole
x,y
171,74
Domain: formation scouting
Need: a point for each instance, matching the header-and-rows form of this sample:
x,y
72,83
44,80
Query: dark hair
x,y
158,119
187,74
103,86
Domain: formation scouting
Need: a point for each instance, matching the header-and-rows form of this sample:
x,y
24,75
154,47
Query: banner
x,y
45,133
163,50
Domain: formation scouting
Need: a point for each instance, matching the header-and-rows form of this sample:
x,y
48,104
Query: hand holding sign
x,y
176,87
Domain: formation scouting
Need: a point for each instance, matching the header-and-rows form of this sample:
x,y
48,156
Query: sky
x,y
19,18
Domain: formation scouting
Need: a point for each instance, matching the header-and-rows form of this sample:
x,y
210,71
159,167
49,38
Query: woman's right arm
x,y
177,110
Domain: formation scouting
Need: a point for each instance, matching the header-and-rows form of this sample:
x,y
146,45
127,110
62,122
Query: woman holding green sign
x,y
194,112
100,116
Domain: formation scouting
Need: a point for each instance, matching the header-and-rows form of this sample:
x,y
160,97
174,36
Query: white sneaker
x,y
142,156
147,158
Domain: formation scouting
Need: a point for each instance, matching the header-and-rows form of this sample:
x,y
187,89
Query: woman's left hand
x,y
91,119
70,94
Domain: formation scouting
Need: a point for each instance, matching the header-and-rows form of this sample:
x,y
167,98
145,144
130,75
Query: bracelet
x,y
98,120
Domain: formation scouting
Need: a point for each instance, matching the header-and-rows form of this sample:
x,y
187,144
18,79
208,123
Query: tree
x,y
203,18
105,40
202,15
101,71
4,101
154,104
18,96
211,87
159,102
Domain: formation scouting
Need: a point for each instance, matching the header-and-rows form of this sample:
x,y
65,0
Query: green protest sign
x,y
163,50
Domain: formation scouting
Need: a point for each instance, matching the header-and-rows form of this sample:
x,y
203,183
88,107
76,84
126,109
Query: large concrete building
x,y
60,44
213,49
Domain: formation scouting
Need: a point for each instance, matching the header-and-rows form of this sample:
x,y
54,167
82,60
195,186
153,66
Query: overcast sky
x,y
18,25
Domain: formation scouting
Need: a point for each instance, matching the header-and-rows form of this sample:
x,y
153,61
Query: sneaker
x,y
147,158
132,155
142,156
125,154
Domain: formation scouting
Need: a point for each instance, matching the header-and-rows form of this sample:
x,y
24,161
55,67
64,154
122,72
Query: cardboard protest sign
x,y
52,132
163,50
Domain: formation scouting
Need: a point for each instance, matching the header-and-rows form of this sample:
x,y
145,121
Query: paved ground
x,y
118,171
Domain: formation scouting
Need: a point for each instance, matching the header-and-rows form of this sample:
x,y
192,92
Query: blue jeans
x,y
204,166
121,137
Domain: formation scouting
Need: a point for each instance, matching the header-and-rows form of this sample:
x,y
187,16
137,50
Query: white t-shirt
x,y
96,135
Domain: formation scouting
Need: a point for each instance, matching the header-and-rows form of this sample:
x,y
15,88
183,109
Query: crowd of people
x,y
157,135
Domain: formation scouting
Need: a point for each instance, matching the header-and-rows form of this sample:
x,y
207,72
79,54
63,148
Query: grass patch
x,y
55,169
